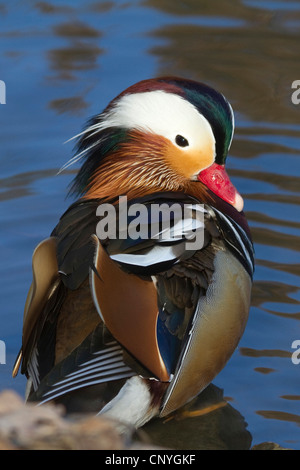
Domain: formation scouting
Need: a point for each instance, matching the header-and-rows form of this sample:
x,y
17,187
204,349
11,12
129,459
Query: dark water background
x,y
63,61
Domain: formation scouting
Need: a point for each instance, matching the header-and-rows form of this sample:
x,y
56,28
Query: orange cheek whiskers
x,y
135,169
139,167
132,178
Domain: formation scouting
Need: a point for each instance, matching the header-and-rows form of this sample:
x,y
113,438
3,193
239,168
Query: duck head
x,y
159,134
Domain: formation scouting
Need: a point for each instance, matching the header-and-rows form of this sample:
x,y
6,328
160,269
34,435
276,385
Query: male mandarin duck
x,y
136,326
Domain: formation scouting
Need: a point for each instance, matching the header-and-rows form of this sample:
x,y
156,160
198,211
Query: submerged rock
x,y
269,446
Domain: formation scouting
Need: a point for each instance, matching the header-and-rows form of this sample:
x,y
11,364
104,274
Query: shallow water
x,y
62,62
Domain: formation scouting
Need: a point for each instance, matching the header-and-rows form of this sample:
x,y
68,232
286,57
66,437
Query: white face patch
x,y
161,113
164,114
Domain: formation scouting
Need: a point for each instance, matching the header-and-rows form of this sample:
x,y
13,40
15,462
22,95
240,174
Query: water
x,y
63,61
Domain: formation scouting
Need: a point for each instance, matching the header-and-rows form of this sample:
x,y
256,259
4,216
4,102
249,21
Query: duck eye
x,y
181,141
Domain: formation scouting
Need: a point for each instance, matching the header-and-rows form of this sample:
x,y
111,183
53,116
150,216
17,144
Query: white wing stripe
x,y
82,380
33,369
104,357
91,370
241,243
87,384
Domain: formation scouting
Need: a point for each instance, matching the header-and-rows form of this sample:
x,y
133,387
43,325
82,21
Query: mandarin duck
x,y
128,316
